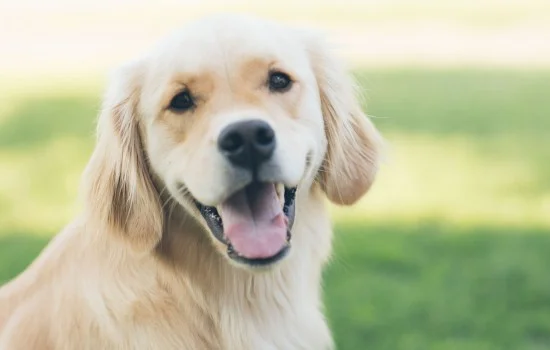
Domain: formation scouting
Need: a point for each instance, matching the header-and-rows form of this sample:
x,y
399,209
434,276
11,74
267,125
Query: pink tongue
x,y
254,222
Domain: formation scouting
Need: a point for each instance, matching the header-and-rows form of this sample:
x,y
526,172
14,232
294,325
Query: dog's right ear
x,y
354,145
119,193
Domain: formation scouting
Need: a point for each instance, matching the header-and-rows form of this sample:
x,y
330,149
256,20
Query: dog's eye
x,y
182,102
279,82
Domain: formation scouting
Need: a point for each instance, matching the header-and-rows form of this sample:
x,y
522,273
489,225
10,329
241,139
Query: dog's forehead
x,y
222,43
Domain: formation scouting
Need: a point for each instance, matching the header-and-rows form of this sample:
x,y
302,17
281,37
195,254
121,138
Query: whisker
x,y
171,210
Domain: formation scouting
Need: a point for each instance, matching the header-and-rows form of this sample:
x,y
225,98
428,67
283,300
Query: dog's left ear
x,y
120,194
353,143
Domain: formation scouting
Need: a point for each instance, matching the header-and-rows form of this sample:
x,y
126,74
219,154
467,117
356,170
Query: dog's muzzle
x,y
255,221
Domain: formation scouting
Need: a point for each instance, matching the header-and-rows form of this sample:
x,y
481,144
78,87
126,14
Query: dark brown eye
x,y
182,102
279,82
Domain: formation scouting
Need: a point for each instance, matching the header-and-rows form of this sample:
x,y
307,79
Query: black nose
x,y
247,143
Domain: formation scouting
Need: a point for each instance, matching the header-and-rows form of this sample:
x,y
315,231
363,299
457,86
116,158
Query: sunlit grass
x,y
496,181
38,190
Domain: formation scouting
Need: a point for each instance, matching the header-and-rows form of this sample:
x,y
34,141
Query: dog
x,y
204,223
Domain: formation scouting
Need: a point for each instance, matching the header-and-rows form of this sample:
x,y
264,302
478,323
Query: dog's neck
x,y
189,252
222,295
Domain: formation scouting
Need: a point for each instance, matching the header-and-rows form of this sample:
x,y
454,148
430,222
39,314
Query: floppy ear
x,y
354,144
120,194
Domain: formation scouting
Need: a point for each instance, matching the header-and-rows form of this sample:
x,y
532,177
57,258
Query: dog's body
x,y
138,269
85,292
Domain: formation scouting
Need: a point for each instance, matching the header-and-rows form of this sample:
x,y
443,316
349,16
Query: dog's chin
x,y
254,223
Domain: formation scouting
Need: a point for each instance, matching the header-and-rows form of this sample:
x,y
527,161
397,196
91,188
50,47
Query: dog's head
x,y
231,117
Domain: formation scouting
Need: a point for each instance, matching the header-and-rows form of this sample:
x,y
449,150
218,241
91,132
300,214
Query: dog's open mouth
x,y
254,222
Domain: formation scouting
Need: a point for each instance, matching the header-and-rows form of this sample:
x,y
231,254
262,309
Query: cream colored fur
x,y
137,269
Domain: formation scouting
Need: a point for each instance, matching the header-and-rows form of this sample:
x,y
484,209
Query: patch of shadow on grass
x,y
17,251
474,102
35,121
392,285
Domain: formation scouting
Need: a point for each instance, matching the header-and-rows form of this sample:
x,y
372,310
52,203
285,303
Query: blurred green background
x,y
450,249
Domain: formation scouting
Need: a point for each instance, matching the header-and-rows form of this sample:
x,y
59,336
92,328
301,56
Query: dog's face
x,y
233,116
233,123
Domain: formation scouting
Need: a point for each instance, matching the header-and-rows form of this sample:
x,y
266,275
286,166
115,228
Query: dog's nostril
x,y
265,136
232,142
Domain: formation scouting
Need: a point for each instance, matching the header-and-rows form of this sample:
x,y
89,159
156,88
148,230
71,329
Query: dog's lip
x,y
215,225
259,262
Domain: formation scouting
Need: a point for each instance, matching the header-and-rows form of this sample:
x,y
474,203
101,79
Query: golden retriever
x,y
205,223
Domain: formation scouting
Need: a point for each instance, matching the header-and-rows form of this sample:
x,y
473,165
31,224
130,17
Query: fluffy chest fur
x,y
183,297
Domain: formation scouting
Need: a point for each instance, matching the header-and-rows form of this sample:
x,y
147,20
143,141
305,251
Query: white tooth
x,y
281,194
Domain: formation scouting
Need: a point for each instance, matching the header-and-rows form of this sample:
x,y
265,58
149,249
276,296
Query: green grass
x,y
435,287
448,251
